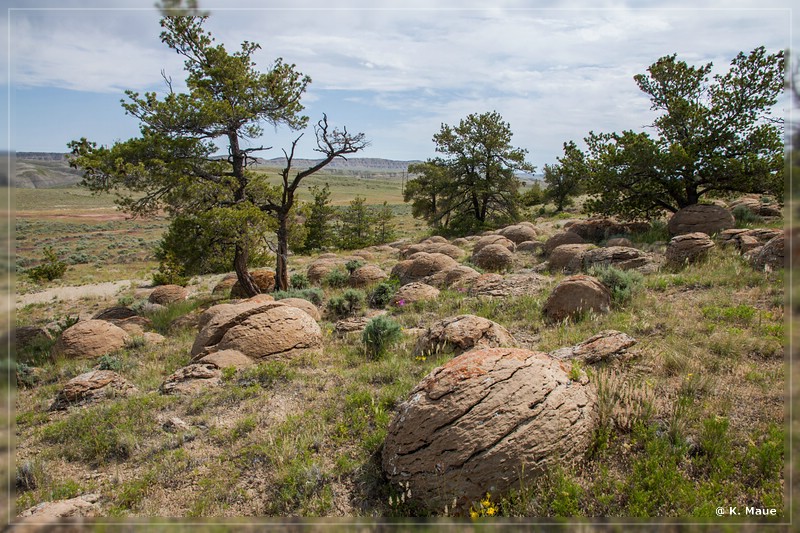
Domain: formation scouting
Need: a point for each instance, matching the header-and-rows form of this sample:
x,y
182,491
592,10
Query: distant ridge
x,y
45,170
355,163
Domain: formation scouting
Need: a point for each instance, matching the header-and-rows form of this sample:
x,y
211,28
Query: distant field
x,y
102,243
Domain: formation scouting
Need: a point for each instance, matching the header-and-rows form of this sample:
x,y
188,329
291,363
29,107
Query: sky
x,y
554,70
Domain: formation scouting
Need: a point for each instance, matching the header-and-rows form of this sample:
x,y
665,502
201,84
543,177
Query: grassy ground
x,y
693,420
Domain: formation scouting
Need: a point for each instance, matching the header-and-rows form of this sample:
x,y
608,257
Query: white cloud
x,y
554,73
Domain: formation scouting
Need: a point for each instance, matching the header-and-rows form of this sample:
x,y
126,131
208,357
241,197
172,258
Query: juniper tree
x,y
172,165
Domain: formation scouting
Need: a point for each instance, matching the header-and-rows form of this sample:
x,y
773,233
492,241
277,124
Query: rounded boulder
x,y
700,218
167,294
461,333
494,257
574,295
90,338
477,423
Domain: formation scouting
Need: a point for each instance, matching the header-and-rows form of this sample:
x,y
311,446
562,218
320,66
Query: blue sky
x,y
553,70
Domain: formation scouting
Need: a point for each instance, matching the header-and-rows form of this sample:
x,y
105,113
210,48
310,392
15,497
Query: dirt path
x,y
95,290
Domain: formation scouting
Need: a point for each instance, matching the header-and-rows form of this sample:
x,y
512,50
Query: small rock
x,y
90,387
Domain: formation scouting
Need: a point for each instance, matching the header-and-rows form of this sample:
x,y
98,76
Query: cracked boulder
x,y
258,328
414,292
461,333
771,256
91,387
486,240
482,420
621,257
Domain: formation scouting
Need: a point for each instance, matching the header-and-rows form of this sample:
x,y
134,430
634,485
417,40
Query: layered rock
x,y
688,248
475,424
91,387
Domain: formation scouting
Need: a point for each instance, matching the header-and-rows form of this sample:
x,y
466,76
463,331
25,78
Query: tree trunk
x,y
281,261
240,265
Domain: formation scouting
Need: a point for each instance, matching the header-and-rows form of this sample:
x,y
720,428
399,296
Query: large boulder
x,y
278,332
91,387
519,233
568,257
574,295
493,239
772,255
620,257
494,257
167,294
215,321
688,248
599,229
367,275
90,338
461,333
422,265
479,422
414,292
263,278
700,218
757,206
563,237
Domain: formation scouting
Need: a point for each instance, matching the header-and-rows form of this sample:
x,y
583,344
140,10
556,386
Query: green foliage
x,y
170,271
51,268
348,303
473,184
313,295
353,265
109,362
744,217
164,316
356,225
713,136
565,179
384,228
533,195
623,284
319,219
336,278
381,294
299,280
99,434
379,334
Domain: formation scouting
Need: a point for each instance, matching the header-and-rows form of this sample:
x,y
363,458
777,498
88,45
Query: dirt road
x,y
96,290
